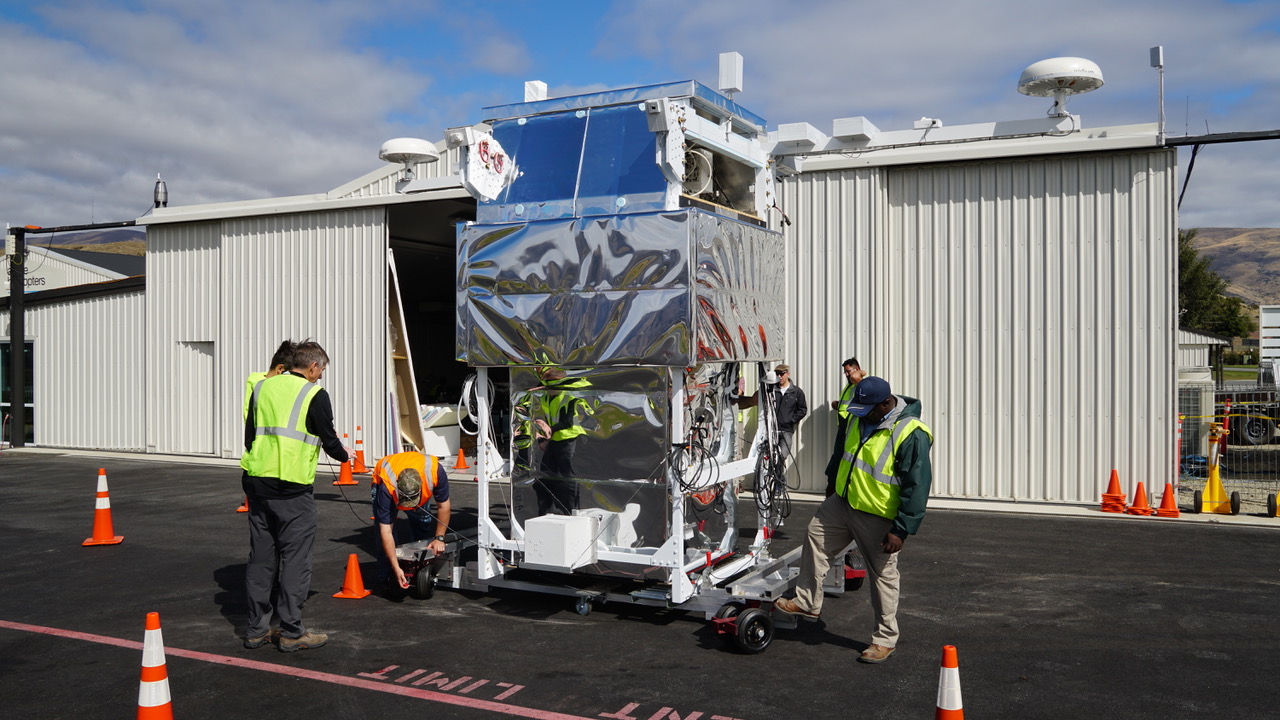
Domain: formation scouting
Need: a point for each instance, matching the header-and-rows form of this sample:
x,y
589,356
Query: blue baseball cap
x,y
867,395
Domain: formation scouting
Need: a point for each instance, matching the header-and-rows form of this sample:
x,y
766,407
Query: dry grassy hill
x,y
1247,258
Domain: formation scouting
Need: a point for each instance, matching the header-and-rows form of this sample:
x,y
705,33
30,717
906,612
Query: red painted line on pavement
x,y
331,678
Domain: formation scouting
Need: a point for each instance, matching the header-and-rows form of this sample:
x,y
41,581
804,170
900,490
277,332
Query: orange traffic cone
x,y
1168,503
950,706
153,691
353,585
344,477
1113,499
359,468
103,532
1140,504
244,507
462,461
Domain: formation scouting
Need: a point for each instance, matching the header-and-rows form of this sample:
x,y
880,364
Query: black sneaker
x,y
308,641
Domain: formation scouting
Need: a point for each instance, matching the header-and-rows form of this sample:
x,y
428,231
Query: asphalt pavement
x,y
1054,617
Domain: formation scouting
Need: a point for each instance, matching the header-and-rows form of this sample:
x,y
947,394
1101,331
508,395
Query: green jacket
x,y
911,466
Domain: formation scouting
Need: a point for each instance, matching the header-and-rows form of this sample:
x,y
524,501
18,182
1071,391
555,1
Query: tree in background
x,y
1201,304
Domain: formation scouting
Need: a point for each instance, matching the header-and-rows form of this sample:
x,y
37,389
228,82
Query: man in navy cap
x,y
882,487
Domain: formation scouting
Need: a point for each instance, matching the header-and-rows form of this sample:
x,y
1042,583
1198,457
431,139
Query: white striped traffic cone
x,y
103,531
949,705
153,691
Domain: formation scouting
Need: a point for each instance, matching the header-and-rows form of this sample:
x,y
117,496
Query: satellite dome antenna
x,y
407,152
1060,78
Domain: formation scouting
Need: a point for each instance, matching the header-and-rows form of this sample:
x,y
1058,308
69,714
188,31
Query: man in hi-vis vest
x,y
288,420
882,487
409,481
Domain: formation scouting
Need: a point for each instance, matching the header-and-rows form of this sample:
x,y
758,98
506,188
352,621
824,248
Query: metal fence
x,y
1249,464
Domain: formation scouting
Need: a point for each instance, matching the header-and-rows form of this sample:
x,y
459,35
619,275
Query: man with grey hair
x,y
288,421
409,481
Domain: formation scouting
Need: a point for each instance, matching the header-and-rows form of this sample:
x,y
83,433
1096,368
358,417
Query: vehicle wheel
x,y
853,560
582,607
726,612
1253,430
1235,503
1271,505
1196,502
755,631
424,584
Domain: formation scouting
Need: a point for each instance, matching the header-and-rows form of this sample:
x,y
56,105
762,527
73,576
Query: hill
x,y
1247,258
119,241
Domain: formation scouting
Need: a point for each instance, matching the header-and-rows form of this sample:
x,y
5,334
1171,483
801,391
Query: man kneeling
x,y
408,481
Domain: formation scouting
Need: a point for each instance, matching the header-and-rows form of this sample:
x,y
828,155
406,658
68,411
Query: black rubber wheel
x,y
854,583
1271,505
755,631
582,607
726,611
1196,502
1253,430
1235,503
424,584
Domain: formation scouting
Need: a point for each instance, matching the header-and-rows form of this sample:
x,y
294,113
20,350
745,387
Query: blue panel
x,y
547,151
620,161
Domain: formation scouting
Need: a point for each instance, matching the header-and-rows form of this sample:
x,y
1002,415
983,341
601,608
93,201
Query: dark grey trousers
x,y
282,534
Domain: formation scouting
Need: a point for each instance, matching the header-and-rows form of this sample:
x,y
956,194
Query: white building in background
x,y
48,268
1022,287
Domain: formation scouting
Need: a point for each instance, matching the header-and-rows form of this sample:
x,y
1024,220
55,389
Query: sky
x,y
247,99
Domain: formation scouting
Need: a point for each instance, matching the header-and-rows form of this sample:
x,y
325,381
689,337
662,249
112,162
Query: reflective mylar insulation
x,y
621,464
666,288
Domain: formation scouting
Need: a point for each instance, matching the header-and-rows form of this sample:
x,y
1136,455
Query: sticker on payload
x,y
488,168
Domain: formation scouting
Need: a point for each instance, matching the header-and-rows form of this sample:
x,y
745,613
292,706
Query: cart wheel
x,y
1235,503
1196,501
582,607
755,631
726,612
424,584
853,584
1271,505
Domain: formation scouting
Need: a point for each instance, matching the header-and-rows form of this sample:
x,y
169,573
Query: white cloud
x,y
239,99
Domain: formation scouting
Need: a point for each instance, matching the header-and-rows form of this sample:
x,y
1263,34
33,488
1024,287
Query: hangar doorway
x,y
423,348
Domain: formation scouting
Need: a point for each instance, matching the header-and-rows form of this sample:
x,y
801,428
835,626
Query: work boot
x,y
253,643
875,654
790,607
308,641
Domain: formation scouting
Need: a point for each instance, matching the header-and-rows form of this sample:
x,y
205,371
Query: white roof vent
x,y
1060,78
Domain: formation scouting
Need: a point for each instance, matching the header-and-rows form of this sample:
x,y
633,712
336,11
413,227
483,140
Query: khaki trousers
x,y
832,529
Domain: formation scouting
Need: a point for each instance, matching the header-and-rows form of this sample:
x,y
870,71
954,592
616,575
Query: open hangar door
x,y
423,246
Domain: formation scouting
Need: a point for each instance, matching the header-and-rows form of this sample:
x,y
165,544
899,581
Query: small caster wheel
x,y
726,631
755,631
424,584
1196,502
1235,503
582,607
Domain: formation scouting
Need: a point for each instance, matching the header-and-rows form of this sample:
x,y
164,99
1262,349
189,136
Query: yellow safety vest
x,y
249,382
866,478
845,396
559,400
282,448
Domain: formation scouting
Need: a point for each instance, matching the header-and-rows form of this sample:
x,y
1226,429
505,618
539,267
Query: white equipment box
x,y
560,542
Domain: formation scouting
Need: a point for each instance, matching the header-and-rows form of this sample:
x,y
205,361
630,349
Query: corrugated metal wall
x,y
1028,303
382,183
263,279
42,266
97,402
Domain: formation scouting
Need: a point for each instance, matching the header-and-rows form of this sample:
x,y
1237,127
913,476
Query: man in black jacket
x,y
789,406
